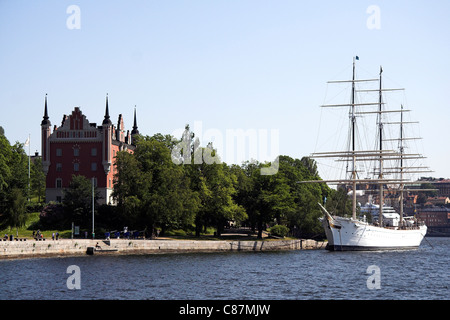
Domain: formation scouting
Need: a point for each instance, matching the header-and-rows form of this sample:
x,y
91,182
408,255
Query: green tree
x,y
281,198
339,203
304,219
19,167
166,197
77,201
5,160
276,201
128,179
246,194
151,189
214,182
37,179
16,213
266,198
13,177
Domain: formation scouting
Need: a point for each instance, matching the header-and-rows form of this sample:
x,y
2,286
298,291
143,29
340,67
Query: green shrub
x,y
279,230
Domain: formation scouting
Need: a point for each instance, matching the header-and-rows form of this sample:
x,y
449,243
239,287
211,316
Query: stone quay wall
x,y
66,247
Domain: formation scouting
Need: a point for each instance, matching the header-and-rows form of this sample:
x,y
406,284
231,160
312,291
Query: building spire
x,y
135,127
107,120
45,120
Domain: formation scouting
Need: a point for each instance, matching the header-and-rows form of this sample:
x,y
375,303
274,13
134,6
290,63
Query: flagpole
x,y
93,206
29,161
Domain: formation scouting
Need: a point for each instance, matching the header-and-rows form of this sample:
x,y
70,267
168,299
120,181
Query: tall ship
x,y
390,168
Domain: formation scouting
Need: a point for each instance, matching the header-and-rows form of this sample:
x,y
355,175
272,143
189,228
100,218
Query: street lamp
x,y
93,197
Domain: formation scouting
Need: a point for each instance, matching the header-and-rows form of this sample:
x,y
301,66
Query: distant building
x,y
443,187
434,216
78,147
437,201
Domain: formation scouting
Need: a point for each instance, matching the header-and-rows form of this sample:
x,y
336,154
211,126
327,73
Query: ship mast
x,y
380,128
353,144
401,167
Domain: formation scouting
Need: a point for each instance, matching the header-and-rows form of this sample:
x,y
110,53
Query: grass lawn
x,y
27,230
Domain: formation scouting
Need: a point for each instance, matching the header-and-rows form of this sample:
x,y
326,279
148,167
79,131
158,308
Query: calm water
x,y
315,274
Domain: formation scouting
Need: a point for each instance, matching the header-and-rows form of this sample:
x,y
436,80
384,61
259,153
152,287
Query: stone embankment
x,y
67,247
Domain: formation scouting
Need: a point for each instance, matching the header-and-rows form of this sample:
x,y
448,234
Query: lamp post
x,y
93,201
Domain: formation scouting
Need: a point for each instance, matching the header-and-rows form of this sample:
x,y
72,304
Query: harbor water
x,y
289,275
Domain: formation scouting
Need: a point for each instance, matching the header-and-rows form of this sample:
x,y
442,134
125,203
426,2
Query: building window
x,y
58,199
93,151
59,152
76,167
59,167
59,183
94,166
76,152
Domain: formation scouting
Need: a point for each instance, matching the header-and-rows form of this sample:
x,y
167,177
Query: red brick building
x,y
443,187
78,147
434,216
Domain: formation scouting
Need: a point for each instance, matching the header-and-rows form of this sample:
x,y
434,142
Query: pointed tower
x,y
45,139
120,132
107,119
107,140
135,131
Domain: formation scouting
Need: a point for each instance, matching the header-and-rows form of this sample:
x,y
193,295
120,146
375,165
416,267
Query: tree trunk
x,y
219,229
198,229
260,228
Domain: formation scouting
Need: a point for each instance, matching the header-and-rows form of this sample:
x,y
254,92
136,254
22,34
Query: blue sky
x,y
228,65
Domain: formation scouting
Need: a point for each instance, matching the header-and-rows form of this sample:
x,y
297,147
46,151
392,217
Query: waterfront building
x,y
443,187
78,147
437,219
437,201
434,216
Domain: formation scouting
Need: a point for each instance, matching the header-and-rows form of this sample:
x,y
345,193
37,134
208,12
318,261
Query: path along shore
x,y
67,247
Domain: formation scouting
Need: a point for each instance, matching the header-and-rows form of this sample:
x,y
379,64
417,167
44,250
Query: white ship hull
x,y
345,234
